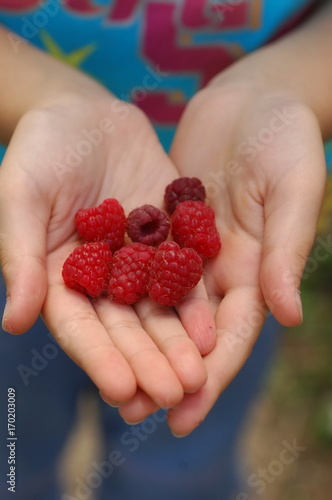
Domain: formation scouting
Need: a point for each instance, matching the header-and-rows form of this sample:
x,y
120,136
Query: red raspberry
x,y
183,189
130,273
87,268
193,226
148,225
105,222
173,273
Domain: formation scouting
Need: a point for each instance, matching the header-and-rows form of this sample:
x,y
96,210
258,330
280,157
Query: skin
x,y
267,211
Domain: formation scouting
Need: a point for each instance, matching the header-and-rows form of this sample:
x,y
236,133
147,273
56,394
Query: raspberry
x,y
193,225
173,273
106,222
130,273
87,268
148,225
183,189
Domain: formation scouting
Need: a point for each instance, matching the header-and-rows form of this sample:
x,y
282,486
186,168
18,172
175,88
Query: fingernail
x,y
5,325
178,436
134,423
113,404
109,401
299,303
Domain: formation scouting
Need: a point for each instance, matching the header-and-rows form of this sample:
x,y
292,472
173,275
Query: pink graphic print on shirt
x,y
168,44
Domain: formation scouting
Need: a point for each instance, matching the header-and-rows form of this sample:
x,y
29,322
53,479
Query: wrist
x,y
255,80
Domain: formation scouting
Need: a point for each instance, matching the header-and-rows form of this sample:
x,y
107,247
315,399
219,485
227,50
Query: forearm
x,y
298,64
29,78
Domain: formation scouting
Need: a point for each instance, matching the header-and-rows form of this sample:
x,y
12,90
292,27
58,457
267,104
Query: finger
x,y
240,318
153,372
74,323
165,329
197,318
24,216
292,210
138,408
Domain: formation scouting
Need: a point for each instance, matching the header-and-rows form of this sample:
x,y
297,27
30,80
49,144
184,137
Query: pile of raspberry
x,y
165,270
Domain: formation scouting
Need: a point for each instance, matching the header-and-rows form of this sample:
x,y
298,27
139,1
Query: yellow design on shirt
x,y
75,58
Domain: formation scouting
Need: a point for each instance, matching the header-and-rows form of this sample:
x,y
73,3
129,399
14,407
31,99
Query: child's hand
x,y
260,156
74,152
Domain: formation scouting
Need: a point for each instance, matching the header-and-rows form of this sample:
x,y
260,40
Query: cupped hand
x,y
261,159
73,152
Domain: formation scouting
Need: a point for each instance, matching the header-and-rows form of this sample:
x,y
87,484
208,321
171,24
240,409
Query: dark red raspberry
x,y
87,268
130,273
106,222
173,273
183,189
148,225
193,226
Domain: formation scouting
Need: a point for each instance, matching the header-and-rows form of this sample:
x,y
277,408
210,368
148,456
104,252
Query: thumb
x,y
23,222
292,210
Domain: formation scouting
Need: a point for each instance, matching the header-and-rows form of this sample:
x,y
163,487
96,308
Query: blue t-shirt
x,y
154,53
